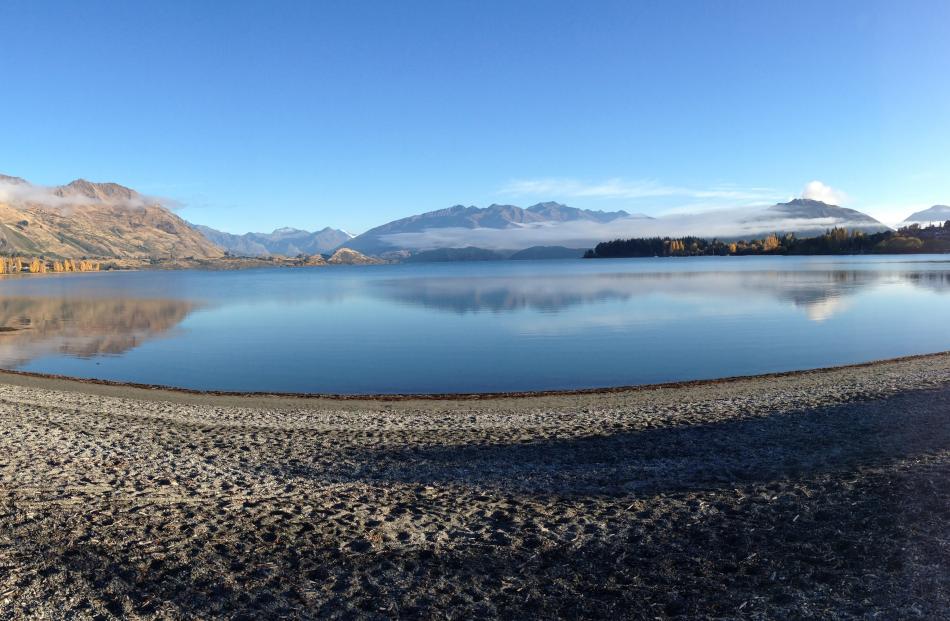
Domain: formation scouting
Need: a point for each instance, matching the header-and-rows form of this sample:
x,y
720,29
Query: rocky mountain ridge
x,y
286,241
378,240
936,214
86,219
508,228
108,220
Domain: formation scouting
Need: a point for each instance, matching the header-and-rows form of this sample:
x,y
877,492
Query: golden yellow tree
x,y
771,243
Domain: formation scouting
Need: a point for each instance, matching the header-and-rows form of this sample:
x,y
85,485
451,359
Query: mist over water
x,y
476,327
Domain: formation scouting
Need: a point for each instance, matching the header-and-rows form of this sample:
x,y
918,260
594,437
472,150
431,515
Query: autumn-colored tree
x,y
770,243
677,246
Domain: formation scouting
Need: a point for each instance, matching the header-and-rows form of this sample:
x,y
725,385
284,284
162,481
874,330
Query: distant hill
x,y
385,238
937,213
90,219
547,252
809,218
472,253
287,242
510,229
441,255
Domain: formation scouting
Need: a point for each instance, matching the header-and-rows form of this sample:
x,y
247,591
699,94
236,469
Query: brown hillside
x,y
94,220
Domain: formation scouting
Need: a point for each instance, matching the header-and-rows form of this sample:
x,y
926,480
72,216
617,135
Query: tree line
x,y
19,265
907,240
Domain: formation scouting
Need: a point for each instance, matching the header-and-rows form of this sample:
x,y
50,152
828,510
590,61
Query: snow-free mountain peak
x,y
106,192
937,213
87,219
285,241
556,212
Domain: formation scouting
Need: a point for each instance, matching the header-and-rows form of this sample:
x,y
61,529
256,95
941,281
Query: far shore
x,y
796,495
234,263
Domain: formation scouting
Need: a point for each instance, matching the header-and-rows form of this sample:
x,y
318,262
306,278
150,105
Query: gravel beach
x,y
818,494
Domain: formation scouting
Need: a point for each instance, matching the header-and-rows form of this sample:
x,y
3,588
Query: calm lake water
x,y
472,327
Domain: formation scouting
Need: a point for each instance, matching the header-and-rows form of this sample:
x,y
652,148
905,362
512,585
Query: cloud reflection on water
x,y
821,294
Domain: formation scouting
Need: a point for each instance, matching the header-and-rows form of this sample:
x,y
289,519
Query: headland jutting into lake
x,y
800,495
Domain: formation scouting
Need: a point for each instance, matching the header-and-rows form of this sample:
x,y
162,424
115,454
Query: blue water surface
x,y
476,327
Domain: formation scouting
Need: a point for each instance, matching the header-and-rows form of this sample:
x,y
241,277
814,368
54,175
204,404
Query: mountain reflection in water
x,y
492,326
37,326
819,293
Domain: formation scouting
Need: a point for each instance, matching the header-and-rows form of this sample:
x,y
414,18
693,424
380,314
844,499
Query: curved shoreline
x,y
81,384
757,497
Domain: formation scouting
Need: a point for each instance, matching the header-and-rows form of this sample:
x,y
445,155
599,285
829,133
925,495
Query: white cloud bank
x,y
18,193
818,191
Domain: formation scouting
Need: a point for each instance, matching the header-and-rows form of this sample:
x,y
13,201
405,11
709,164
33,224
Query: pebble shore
x,y
822,494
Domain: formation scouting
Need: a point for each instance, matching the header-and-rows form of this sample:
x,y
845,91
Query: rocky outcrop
x,y
347,256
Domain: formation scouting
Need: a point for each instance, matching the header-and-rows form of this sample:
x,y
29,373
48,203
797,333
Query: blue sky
x,y
254,115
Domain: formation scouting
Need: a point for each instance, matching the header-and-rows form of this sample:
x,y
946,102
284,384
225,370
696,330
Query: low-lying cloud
x,y
723,223
20,193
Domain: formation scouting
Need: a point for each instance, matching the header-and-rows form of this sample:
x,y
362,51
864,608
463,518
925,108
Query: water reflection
x,y
936,281
820,294
468,328
31,327
114,321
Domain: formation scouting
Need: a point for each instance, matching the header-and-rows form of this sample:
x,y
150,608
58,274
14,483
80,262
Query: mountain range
x,y
288,242
508,229
389,238
107,220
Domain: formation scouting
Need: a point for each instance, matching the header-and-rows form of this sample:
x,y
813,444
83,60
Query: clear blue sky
x,y
255,115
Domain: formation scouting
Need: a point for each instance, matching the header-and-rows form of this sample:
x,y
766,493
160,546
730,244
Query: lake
x,y
475,327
